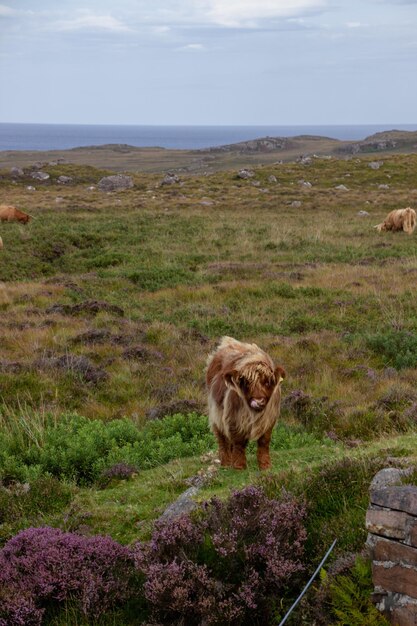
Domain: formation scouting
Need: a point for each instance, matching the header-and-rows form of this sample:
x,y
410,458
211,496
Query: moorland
x,y
111,303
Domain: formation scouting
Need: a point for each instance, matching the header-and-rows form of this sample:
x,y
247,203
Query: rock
x,y
206,202
388,477
392,544
30,188
395,578
375,165
183,504
342,188
170,179
401,498
17,172
272,179
305,183
91,188
40,176
386,523
383,186
64,180
245,174
59,199
304,160
296,204
394,551
256,183
115,182
363,214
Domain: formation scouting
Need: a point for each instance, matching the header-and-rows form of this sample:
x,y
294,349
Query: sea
x,y
64,136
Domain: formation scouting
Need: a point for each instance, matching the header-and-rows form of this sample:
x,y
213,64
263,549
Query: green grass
x,y
316,286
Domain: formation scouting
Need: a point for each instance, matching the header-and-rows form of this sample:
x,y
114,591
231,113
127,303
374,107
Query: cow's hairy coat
x,y
399,219
244,396
9,213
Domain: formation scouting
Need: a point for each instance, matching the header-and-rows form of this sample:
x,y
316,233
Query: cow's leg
x,y
263,456
225,448
239,453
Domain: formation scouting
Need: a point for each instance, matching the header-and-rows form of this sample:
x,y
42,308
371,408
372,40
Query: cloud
x,y
91,22
193,46
249,13
6,11
224,13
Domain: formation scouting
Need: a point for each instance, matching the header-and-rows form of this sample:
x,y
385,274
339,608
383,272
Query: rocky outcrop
x,y
170,179
245,174
391,521
64,180
264,144
40,176
17,172
115,182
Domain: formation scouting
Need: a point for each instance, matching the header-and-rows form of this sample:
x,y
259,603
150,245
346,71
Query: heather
x,y
110,305
235,564
40,567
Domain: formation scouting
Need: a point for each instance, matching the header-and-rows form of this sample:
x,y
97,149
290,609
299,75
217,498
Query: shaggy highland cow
x,y
9,213
244,395
400,219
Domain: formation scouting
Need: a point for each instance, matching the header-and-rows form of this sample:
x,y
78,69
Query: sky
x,y
232,62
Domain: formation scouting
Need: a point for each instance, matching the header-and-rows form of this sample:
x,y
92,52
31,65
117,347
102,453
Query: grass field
x,y
111,302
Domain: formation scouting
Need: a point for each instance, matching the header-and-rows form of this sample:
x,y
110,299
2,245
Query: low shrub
x,y
234,564
336,496
119,471
398,348
40,567
80,449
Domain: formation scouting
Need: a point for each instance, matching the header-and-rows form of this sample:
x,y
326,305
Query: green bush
x,y
398,348
78,448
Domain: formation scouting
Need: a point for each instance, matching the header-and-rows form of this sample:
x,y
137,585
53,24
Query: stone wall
x,y
391,520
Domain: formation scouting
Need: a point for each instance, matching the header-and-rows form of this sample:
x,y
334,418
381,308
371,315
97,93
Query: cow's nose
x,y
257,402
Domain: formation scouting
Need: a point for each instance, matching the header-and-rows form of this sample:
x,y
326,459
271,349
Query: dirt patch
x,y
195,335
73,363
179,406
142,353
11,367
98,336
88,307
166,393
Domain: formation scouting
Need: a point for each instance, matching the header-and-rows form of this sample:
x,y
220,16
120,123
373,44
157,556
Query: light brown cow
x,y
399,219
9,213
244,396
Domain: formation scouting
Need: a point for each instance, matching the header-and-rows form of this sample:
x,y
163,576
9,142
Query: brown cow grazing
x,y
244,397
400,219
9,213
